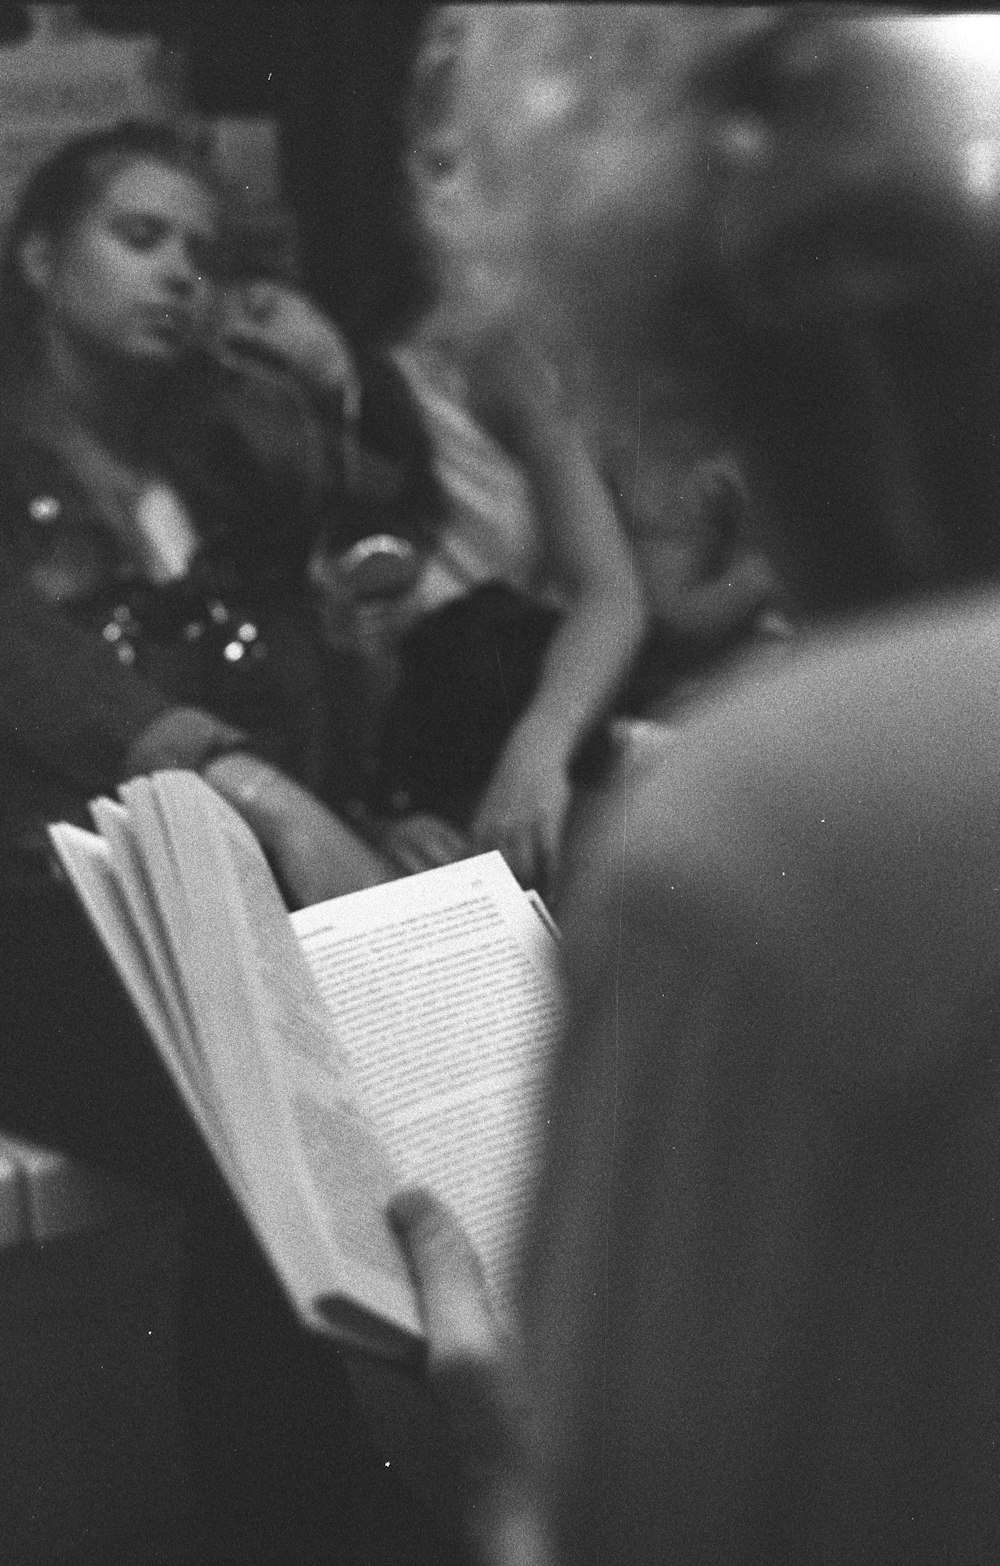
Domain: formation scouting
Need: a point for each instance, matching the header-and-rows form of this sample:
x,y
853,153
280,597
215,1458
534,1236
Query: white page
x,y
203,929
439,1006
118,831
443,988
87,861
317,1151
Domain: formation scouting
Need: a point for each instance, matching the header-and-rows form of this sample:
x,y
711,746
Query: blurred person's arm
x,y
69,709
524,807
421,841
315,854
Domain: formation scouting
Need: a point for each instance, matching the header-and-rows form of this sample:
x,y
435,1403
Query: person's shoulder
x,y
827,834
879,693
846,743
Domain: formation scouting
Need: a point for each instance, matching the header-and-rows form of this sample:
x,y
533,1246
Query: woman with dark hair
x,y
157,510
162,504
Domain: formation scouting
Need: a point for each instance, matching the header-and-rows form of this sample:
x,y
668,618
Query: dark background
x,y
334,75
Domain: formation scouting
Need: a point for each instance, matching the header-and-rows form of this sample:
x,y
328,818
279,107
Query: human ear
x,y
35,259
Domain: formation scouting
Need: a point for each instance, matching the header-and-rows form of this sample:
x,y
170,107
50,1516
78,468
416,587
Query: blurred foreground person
x,y
762,1292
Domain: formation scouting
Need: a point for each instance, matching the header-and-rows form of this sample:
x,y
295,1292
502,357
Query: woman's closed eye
x,y
143,235
140,233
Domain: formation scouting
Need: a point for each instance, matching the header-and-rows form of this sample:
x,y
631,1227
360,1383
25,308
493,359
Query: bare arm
x,y
590,653
316,855
524,806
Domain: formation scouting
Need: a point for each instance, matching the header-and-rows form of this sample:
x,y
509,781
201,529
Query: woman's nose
x,y
258,301
180,271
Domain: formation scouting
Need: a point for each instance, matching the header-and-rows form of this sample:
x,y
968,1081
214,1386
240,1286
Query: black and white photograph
x,y
499,784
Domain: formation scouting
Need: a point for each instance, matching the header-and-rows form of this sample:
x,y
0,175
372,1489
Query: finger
x,y
406,859
550,831
260,301
423,843
534,875
468,1359
517,845
454,1299
550,857
449,843
352,392
433,838
484,834
491,835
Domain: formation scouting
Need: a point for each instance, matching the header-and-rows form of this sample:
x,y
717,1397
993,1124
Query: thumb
x,y
469,1359
454,1298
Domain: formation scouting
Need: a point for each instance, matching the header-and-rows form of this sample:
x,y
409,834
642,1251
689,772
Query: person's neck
x,y
107,399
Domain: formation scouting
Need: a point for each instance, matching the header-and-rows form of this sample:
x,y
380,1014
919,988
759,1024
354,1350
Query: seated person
x,y
505,161
381,503
492,629
160,506
521,624
762,1287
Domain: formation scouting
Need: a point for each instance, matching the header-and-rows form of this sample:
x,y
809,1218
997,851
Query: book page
x,y
87,861
185,866
118,831
444,992
400,1033
272,1043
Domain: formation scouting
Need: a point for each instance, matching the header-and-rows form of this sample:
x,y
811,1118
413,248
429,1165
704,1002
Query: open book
x,y
327,1056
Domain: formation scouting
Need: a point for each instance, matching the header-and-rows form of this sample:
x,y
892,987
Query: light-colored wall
x,y
64,79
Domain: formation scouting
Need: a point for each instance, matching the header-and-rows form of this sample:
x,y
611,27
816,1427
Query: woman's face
x,y
131,277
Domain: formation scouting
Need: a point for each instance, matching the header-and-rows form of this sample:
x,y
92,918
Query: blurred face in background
x,y
851,224
129,280
787,214
576,160
838,147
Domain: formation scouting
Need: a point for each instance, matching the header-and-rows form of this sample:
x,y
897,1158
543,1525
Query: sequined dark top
x,y
232,646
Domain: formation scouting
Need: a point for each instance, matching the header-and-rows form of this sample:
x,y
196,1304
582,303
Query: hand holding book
x,y
475,1369
394,1034
314,853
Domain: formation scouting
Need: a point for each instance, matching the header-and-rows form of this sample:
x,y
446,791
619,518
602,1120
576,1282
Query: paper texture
x,y
398,1034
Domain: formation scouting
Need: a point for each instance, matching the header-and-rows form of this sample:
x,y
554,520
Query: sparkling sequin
x,y
45,509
